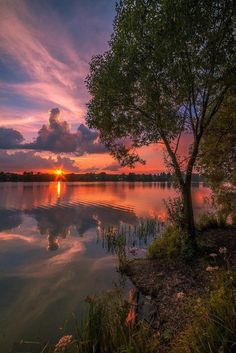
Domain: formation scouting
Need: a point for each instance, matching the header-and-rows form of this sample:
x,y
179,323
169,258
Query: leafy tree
x,y
166,73
218,150
217,158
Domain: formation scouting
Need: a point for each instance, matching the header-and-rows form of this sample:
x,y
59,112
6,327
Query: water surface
x,y
51,257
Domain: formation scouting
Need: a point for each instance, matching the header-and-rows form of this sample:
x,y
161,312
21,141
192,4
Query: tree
x,y
218,150
217,158
166,73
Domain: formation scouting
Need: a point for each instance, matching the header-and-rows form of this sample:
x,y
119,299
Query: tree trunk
x,y
189,224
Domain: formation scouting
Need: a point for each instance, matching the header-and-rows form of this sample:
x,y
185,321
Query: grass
x,y
126,235
172,244
118,240
211,221
213,329
110,327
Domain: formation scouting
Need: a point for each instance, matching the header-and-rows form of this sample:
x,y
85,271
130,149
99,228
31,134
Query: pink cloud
x,y
23,39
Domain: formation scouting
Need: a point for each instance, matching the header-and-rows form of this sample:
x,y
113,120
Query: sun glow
x,y
58,172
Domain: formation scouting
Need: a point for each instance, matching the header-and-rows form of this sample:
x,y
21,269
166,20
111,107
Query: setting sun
x,y
59,172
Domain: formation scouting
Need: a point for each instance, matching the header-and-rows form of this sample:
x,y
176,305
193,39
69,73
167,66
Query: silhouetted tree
x,y
167,71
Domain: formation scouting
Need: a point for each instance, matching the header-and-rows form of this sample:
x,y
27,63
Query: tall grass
x,y
125,239
211,221
126,235
213,329
109,328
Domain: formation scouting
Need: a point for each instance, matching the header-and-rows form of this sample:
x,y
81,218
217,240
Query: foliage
x,y
172,245
166,73
218,157
175,211
211,221
218,151
214,326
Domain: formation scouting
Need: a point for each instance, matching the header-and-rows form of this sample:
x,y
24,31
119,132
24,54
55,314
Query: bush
x,y
172,244
210,221
213,329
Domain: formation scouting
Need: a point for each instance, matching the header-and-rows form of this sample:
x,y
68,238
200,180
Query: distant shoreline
x,y
90,177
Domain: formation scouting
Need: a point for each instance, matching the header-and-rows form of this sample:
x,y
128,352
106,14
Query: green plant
x,y
214,326
109,328
172,244
210,220
175,211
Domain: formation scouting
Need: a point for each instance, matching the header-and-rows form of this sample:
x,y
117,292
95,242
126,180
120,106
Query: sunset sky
x,y
45,49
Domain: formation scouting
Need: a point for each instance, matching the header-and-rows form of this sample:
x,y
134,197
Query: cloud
x,y
20,161
57,137
113,167
52,73
10,138
45,49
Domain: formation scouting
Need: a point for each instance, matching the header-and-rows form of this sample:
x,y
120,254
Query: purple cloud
x,y
55,137
20,161
10,138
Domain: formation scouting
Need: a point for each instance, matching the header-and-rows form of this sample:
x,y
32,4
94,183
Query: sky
x,y
45,50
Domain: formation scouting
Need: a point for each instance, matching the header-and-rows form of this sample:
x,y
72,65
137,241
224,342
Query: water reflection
x,y
64,217
61,209
58,188
9,219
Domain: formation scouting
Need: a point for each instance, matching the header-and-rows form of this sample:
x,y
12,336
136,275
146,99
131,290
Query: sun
x,y
59,172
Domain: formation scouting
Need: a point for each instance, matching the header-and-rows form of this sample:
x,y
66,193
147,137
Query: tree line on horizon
x,y
130,177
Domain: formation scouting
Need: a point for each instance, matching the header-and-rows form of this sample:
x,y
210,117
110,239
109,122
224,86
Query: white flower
x,y
212,268
213,255
223,250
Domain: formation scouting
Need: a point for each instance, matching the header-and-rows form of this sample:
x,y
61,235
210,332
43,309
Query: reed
x,y
116,239
110,327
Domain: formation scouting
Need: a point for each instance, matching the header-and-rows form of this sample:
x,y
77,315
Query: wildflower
x,y
223,250
212,268
133,251
213,255
179,295
62,344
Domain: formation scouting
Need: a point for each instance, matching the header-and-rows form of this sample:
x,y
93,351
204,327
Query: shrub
x,y
209,221
175,211
173,243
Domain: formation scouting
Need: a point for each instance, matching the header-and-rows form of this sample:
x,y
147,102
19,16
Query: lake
x,y
51,254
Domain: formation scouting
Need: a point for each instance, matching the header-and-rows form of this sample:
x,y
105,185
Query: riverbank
x,y
175,289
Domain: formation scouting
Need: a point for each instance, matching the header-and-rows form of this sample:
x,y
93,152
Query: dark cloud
x,y
57,137
10,138
30,160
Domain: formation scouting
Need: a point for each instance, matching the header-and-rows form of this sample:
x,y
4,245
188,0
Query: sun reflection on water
x,y
58,188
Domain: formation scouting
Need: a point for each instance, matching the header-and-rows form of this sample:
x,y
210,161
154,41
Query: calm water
x,y
50,254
